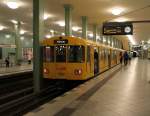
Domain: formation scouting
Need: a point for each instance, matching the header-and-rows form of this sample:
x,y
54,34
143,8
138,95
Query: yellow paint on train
x,y
73,58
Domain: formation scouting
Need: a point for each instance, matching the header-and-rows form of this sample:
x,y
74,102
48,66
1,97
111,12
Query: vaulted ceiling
x,y
97,12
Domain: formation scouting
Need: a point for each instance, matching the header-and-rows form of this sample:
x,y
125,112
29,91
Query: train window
x,y
76,53
48,54
60,53
88,53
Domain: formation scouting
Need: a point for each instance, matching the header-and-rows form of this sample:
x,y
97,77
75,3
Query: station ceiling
x,y
97,11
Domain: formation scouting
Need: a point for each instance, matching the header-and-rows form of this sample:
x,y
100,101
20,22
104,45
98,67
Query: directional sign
x,y
117,28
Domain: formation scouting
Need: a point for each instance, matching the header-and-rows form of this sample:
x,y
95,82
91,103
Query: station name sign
x,y
65,41
117,28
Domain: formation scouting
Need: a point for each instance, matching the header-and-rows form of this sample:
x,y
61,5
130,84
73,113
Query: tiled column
x,y
68,20
38,19
18,42
94,32
84,27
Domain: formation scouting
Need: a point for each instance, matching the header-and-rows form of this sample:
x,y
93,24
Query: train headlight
x,y
78,71
45,70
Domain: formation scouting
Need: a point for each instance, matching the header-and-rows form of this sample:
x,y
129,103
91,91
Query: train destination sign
x,y
65,41
117,28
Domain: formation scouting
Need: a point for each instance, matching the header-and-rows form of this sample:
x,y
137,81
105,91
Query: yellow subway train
x,y
72,58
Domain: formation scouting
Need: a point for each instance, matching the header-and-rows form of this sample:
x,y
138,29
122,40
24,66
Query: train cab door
x,y
109,58
96,61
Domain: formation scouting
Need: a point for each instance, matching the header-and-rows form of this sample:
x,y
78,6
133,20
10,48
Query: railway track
x,y
17,95
14,87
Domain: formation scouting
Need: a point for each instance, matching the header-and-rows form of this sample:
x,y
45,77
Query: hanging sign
x,y
117,28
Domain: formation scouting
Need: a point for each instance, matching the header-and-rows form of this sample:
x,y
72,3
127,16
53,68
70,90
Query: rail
x,y
17,96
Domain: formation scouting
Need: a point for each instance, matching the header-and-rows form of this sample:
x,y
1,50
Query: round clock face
x,y
127,29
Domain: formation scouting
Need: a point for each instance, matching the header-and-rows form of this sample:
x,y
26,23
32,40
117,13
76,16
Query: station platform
x,y
15,69
121,91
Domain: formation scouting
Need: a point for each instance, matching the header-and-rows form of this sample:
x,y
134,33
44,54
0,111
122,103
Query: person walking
x,y
129,54
121,58
126,57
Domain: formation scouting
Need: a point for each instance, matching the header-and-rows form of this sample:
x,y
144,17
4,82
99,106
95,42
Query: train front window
x,y
60,53
76,54
48,54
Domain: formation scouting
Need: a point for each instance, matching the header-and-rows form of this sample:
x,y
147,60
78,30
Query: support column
x,y
68,19
102,39
115,42
84,27
111,41
119,44
107,40
94,32
18,42
38,19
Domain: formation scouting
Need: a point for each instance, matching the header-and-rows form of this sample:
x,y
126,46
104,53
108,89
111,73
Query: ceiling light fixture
x,y
14,21
7,36
61,23
22,38
52,31
75,28
46,16
48,36
22,32
90,35
63,34
104,39
12,4
121,19
116,11
1,27
80,31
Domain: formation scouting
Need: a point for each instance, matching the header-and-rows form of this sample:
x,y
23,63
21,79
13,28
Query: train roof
x,y
75,40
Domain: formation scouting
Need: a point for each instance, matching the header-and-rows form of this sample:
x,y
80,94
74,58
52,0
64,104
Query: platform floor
x,y
15,69
121,91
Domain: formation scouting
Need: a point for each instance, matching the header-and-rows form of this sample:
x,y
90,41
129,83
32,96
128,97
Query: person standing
x,y
7,61
29,57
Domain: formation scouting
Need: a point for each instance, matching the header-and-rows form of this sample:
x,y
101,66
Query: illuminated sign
x,y
117,28
65,41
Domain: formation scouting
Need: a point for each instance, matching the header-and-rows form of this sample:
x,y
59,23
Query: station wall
x,y
26,43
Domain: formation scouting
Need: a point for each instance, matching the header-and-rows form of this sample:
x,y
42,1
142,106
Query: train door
x,y
115,57
96,61
106,58
109,58
88,61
